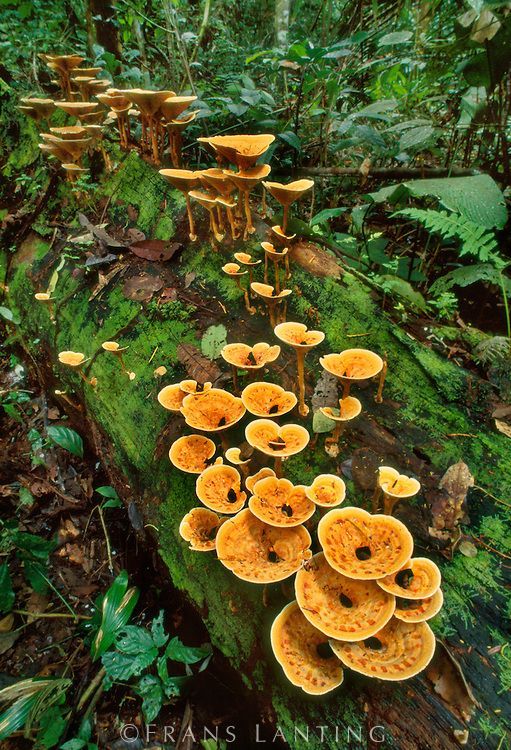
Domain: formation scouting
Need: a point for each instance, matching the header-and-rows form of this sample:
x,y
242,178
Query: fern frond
x,y
467,275
492,350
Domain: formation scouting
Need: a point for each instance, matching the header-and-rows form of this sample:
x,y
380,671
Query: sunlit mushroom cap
x,y
63,62
398,651
250,357
232,269
364,546
219,488
327,490
43,107
353,364
149,102
288,194
246,259
212,411
279,503
205,199
250,481
116,102
192,453
266,291
297,335
234,456
69,133
273,252
183,122
419,610
248,179
419,578
257,552
78,72
242,150
278,232
218,179
349,408
43,297
182,179
397,485
341,607
173,106
171,397
113,346
77,108
273,440
72,359
192,386
200,527
74,168
303,653
54,150
267,399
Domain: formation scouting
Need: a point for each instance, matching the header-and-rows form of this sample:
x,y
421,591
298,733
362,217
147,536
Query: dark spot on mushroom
x,y
232,496
209,461
345,601
251,360
273,409
211,534
404,578
373,643
272,556
222,422
407,603
324,651
304,342
199,387
287,510
363,553
277,444
274,293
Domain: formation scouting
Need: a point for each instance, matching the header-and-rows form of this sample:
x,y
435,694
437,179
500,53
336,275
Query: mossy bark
x,y
432,416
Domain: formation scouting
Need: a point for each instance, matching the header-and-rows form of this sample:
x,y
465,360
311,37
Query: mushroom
x,y
77,109
219,488
171,397
73,171
349,408
246,182
120,107
214,411
395,487
364,546
276,256
246,260
192,386
234,271
76,360
72,148
248,357
83,82
259,553
302,341
303,653
273,440
271,299
70,132
398,651
239,458
175,131
419,610
148,102
351,366
327,490
241,150
229,204
183,180
420,578
114,348
208,201
200,527
278,502
192,453
42,109
63,65
46,299
339,606
267,399
287,195
219,180
261,474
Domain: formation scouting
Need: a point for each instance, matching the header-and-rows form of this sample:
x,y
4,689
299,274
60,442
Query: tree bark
x,y
282,14
107,34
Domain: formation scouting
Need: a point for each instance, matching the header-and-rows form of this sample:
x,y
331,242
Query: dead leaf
x,y
449,682
189,278
132,212
141,287
170,294
155,250
315,260
365,167
448,502
325,392
68,530
503,427
364,467
99,233
35,604
198,367
53,413
6,623
467,548
501,412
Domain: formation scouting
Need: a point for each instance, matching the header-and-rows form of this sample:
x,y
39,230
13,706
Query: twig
x,y
98,679
37,615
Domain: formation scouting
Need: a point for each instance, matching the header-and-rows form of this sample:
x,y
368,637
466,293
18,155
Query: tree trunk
x,y
107,34
282,14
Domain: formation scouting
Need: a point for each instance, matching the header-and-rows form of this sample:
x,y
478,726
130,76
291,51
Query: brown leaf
x,y
315,260
155,250
449,682
198,367
141,287
132,212
364,465
68,530
36,603
325,392
53,413
365,167
503,427
448,501
135,235
99,233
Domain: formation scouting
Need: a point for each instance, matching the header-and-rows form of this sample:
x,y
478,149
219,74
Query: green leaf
x,y
173,687
321,423
74,744
213,341
323,216
36,575
25,496
66,438
7,595
395,37
177,651
107,491
15,716
467,275
34,547
291,139
400,288
159,635
122,667
416,138
150,690
133,640
51,725
117,607
9,315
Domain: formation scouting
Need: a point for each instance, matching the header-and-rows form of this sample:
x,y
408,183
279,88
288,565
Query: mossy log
x,y
433,415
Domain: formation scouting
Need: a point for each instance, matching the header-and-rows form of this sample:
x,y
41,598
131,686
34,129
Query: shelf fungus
x,y
208,201
171,397
259,553
338,606
273,300
394,487
286,195
195,388
200,527
247,260
276,257
185,181
219,488
149,103
261,474
352,365
234,271
240,457
245,357
114,348
420,578
267,399
302,340
419,610
76,360
398,651
241,150
327,490
349,408
363,546
77,109
273,440
212,411
47,300
278,502
246,182
192,453
303,653
41,109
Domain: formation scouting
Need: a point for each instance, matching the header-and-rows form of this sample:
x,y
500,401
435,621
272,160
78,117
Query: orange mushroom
x,y
76,360
175,131
274,440
239,458
302,341
171,397
303,653
286,195
76,109
261,474
192,453
63,64
219,180
271,299
279,503
192,386
327,490
208,201
246,182
120,107
395,487
267,399
349,408
420,578
419,610
276,256
46,299
241,150
246,260
42,108
183,180
352,365
212,411
234,271
200,527
114,348
219,488
248,357
148,102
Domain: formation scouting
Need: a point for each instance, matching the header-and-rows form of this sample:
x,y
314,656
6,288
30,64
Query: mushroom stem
x,y
383,374
249,227
278,467
288,268
91,382
213,226
225,442
388,504
336,433
220,218
232,223
68,400
376,498
303,409
153,131
346,385
235,384
277,276
266,268
191,224
263,205
285,217
248,306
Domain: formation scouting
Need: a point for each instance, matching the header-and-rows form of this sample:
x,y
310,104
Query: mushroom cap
x,y
219,488
113,346
212,411
295,644
192,453
73,168
72,359
77,108
250,481
75,147
192,386
419,578
327,490
182,122
262,432
248,179
43,107
148,102
349,408
182,179
250,357
69,133
246,259
297,336
242,150
233,455
226,201
171,397
200,527
272,251
117,102
278,232
267,292
54,150
353,364
341,607
267,399
259,553
77,72
92,117
288,194
364,546
173,106
29,111
218,179
406,649
63,62
205,199
397,485
419,610
232,269
278,502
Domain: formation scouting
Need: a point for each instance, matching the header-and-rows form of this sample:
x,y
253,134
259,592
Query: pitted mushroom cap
x,y
419,610
419,578
192,386
242,150
279,503
267,292
219,488
182,179
200,527
267,399
353,364
288,194
261,474
274,440
173,106
298,336
327,490
250,357
192,453
171,397
212,411
72,359
273,252
349,408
